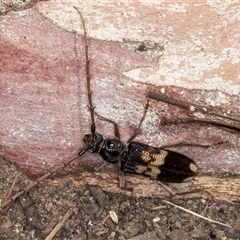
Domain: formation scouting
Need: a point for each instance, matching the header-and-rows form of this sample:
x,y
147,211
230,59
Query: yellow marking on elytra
x,y
193,167
151,171
141,169
155,159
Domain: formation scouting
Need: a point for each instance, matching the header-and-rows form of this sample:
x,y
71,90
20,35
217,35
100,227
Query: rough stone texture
x,y
192,52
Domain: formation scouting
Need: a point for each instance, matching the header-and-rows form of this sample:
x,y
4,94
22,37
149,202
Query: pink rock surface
x,y
43,89
43,101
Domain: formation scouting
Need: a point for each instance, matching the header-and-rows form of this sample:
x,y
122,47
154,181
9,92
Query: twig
x,y
167,121
187,105
60,224
11,188
196,214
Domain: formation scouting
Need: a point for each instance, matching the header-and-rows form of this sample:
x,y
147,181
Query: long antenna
x,y
88,76
81,152
40,179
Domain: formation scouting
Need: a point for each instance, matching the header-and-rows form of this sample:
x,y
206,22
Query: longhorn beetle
x,y
133,157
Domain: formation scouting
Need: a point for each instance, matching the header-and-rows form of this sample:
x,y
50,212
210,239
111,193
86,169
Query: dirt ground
x,y
67,212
